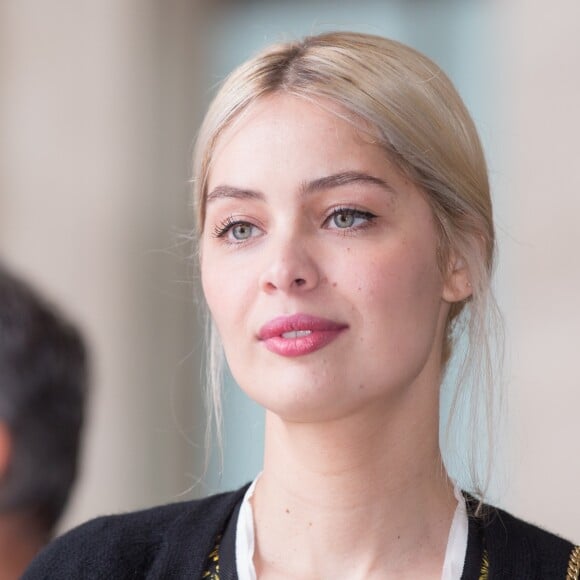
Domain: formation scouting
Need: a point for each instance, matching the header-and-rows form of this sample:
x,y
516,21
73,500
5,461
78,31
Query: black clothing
x,y
167,542
193,540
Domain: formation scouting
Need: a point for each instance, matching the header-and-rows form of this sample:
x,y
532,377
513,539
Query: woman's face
x,y
319,265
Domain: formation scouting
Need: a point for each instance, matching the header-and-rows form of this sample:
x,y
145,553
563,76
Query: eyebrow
x,y
231,192
344,178
307,188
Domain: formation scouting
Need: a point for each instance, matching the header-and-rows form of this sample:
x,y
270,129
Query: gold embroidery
x,y
213,565
574,565
484,572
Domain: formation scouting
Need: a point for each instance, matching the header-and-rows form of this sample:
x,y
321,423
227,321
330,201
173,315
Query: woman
x,y
345,230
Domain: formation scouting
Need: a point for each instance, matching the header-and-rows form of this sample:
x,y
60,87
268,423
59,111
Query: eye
x,y
343,219
241,231
234,231
348,217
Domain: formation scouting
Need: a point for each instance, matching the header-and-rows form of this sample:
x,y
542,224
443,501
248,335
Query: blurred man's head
x,y
43,379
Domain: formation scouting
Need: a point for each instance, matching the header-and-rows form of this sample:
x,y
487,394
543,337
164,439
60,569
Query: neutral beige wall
x,y
97,116
539,196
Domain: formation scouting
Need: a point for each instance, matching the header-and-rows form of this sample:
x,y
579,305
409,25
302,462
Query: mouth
x,y
296,333
299,334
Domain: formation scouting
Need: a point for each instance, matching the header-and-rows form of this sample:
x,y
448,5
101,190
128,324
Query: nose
x,y
290,267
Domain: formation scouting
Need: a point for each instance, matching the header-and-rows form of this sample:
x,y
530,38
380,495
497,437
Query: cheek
x,y
226,292
398,281
214,290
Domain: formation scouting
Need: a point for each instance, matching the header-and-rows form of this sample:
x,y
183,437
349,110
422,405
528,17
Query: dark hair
x,y
43,383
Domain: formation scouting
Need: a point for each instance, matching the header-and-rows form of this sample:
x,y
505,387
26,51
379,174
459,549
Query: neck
x,y
20,541
369,489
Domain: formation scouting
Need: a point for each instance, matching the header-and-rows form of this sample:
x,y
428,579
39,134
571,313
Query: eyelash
x,y
221,229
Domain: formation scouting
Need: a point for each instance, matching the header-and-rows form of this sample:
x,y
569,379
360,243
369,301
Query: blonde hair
x,y
422,124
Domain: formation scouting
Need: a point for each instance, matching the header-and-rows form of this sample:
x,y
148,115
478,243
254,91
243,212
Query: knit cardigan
x,y
182,540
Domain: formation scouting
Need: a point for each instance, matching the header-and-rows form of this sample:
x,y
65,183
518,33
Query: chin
x,y
304,400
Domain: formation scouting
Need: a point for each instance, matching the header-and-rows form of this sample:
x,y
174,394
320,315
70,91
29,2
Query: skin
x,y
20,541
20,536
353,478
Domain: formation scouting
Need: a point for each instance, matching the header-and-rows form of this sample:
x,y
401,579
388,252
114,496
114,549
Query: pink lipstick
x,y
299,334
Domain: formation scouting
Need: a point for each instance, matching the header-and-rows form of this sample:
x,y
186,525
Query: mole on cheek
x,y
334,284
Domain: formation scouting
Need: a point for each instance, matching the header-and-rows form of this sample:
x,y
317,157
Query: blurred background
x,y
99,106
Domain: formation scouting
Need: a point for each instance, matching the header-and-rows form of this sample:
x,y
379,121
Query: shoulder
x,y
515,548
512,527
166,541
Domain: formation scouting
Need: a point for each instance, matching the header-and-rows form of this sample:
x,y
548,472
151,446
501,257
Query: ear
x,y
5,449
457,285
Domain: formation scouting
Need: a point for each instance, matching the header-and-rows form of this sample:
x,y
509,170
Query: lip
x,y
322,332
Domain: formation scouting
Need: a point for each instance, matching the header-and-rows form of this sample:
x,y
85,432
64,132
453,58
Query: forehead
x,y
282,130
280,109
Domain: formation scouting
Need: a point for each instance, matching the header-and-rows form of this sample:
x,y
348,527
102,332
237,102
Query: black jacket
x,y
193,540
